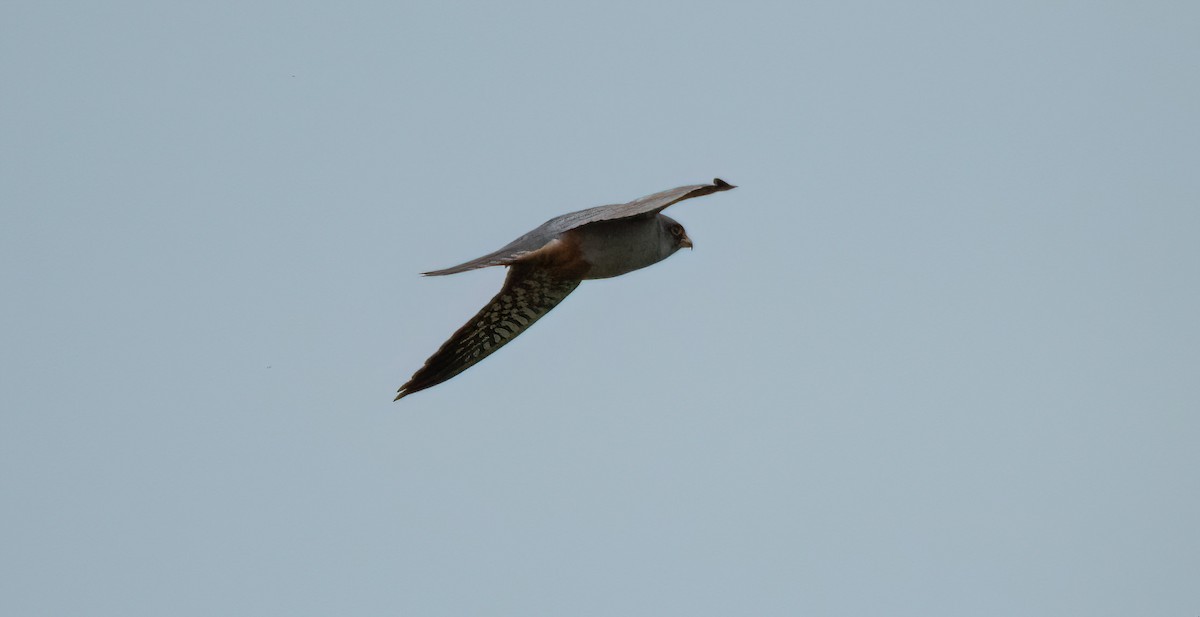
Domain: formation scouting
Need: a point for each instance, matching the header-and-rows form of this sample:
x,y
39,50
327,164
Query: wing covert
x,y
503,256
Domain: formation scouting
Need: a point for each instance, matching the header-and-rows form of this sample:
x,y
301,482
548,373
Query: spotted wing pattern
x,y
529,293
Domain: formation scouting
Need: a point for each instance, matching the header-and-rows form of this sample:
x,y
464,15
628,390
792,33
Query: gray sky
x,y
937,355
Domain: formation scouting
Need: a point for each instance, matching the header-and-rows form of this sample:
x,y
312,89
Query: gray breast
x,y
616,247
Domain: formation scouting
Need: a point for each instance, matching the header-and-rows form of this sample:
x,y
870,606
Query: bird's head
x,y
674,233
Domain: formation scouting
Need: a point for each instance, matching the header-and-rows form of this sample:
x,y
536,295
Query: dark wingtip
x,y
723,185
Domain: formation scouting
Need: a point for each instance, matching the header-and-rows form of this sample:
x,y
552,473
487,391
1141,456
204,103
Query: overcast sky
x,y
938,354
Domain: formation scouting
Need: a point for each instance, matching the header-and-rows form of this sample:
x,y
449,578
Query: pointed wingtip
x,y
407,389
723,185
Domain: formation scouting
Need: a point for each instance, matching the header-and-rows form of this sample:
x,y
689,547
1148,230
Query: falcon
x,y
549,262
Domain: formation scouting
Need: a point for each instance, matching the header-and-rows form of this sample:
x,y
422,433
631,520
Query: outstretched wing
x,y
650,204
510,253
529,292
548,231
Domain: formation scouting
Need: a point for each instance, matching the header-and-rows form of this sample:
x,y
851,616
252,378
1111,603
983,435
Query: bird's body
x,y
548,263
613,248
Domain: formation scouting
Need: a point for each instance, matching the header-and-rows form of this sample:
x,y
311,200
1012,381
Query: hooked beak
x,y
685,241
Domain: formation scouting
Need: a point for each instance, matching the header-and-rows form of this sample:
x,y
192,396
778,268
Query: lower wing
x,y
529,292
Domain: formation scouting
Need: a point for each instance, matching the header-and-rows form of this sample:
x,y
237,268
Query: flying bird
x,y
549,262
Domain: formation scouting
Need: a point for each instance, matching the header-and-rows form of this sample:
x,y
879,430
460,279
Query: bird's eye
x,y
676,230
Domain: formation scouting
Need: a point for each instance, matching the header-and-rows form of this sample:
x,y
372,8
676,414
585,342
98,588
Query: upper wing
x,y
536,239
650,204
512,251
528,293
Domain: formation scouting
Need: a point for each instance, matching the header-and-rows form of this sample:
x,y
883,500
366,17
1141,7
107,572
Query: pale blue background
x,y
938,355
